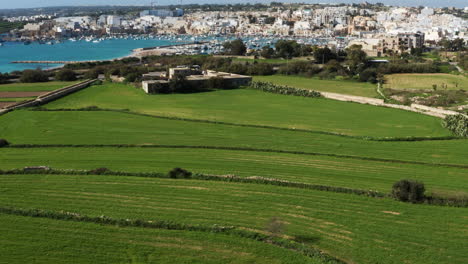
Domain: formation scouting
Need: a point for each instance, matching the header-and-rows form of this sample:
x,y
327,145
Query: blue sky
x,y
42,3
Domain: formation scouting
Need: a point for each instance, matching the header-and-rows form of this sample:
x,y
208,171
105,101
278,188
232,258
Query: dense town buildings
x,y
378,30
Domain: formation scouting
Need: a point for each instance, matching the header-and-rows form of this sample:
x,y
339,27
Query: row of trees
x,y
38,75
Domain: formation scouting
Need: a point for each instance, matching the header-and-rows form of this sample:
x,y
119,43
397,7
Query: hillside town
x,y
377,28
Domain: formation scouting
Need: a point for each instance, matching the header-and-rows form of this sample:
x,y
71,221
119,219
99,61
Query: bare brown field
x,y
21,94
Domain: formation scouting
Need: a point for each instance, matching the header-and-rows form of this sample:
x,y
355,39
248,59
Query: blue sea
x,y
70,51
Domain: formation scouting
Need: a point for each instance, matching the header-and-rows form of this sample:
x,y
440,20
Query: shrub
x,y
99,171
179,173
32,76
3,142
92,74
132,77
408,191
368,75
458,124
275,227
65,75
282,89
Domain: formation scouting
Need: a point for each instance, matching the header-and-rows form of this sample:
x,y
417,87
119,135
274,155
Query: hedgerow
x,y
172,225
282,89
458,124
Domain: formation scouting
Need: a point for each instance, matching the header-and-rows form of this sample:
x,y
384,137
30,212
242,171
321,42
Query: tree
x,y
32,76
235,47
355,57
287,48
65,75
323,55
417,52
3,142
179,173
267,52
408,191
269,20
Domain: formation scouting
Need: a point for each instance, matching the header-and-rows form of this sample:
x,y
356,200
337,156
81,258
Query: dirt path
x,y
380,102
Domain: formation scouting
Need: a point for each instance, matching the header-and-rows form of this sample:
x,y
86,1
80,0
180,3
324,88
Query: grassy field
x,y
254,107
47,241
99,127
354,228
425,81
33,87
343,87
331,171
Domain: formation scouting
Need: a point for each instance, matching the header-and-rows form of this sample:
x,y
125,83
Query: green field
x,y
255,140
255,107
343,87
426,81
102,127
46,241
33,87
331,171
353,228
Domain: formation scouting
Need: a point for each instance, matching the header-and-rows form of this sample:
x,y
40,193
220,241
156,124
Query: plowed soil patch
x,y
20,94
5,104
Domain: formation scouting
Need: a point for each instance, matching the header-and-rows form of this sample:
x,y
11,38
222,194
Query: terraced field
x,y
254,107
46,241
343,87
246,133
426,81
343,225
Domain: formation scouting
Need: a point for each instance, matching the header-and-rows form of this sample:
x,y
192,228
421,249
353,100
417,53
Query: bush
x,y
3,142
92,74
299,67
408,191
458,124
132,77
179,173
281,89
65,75
99,171
368,75
32,76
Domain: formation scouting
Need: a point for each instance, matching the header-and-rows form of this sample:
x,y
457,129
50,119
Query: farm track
x,y
369,138
25,146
